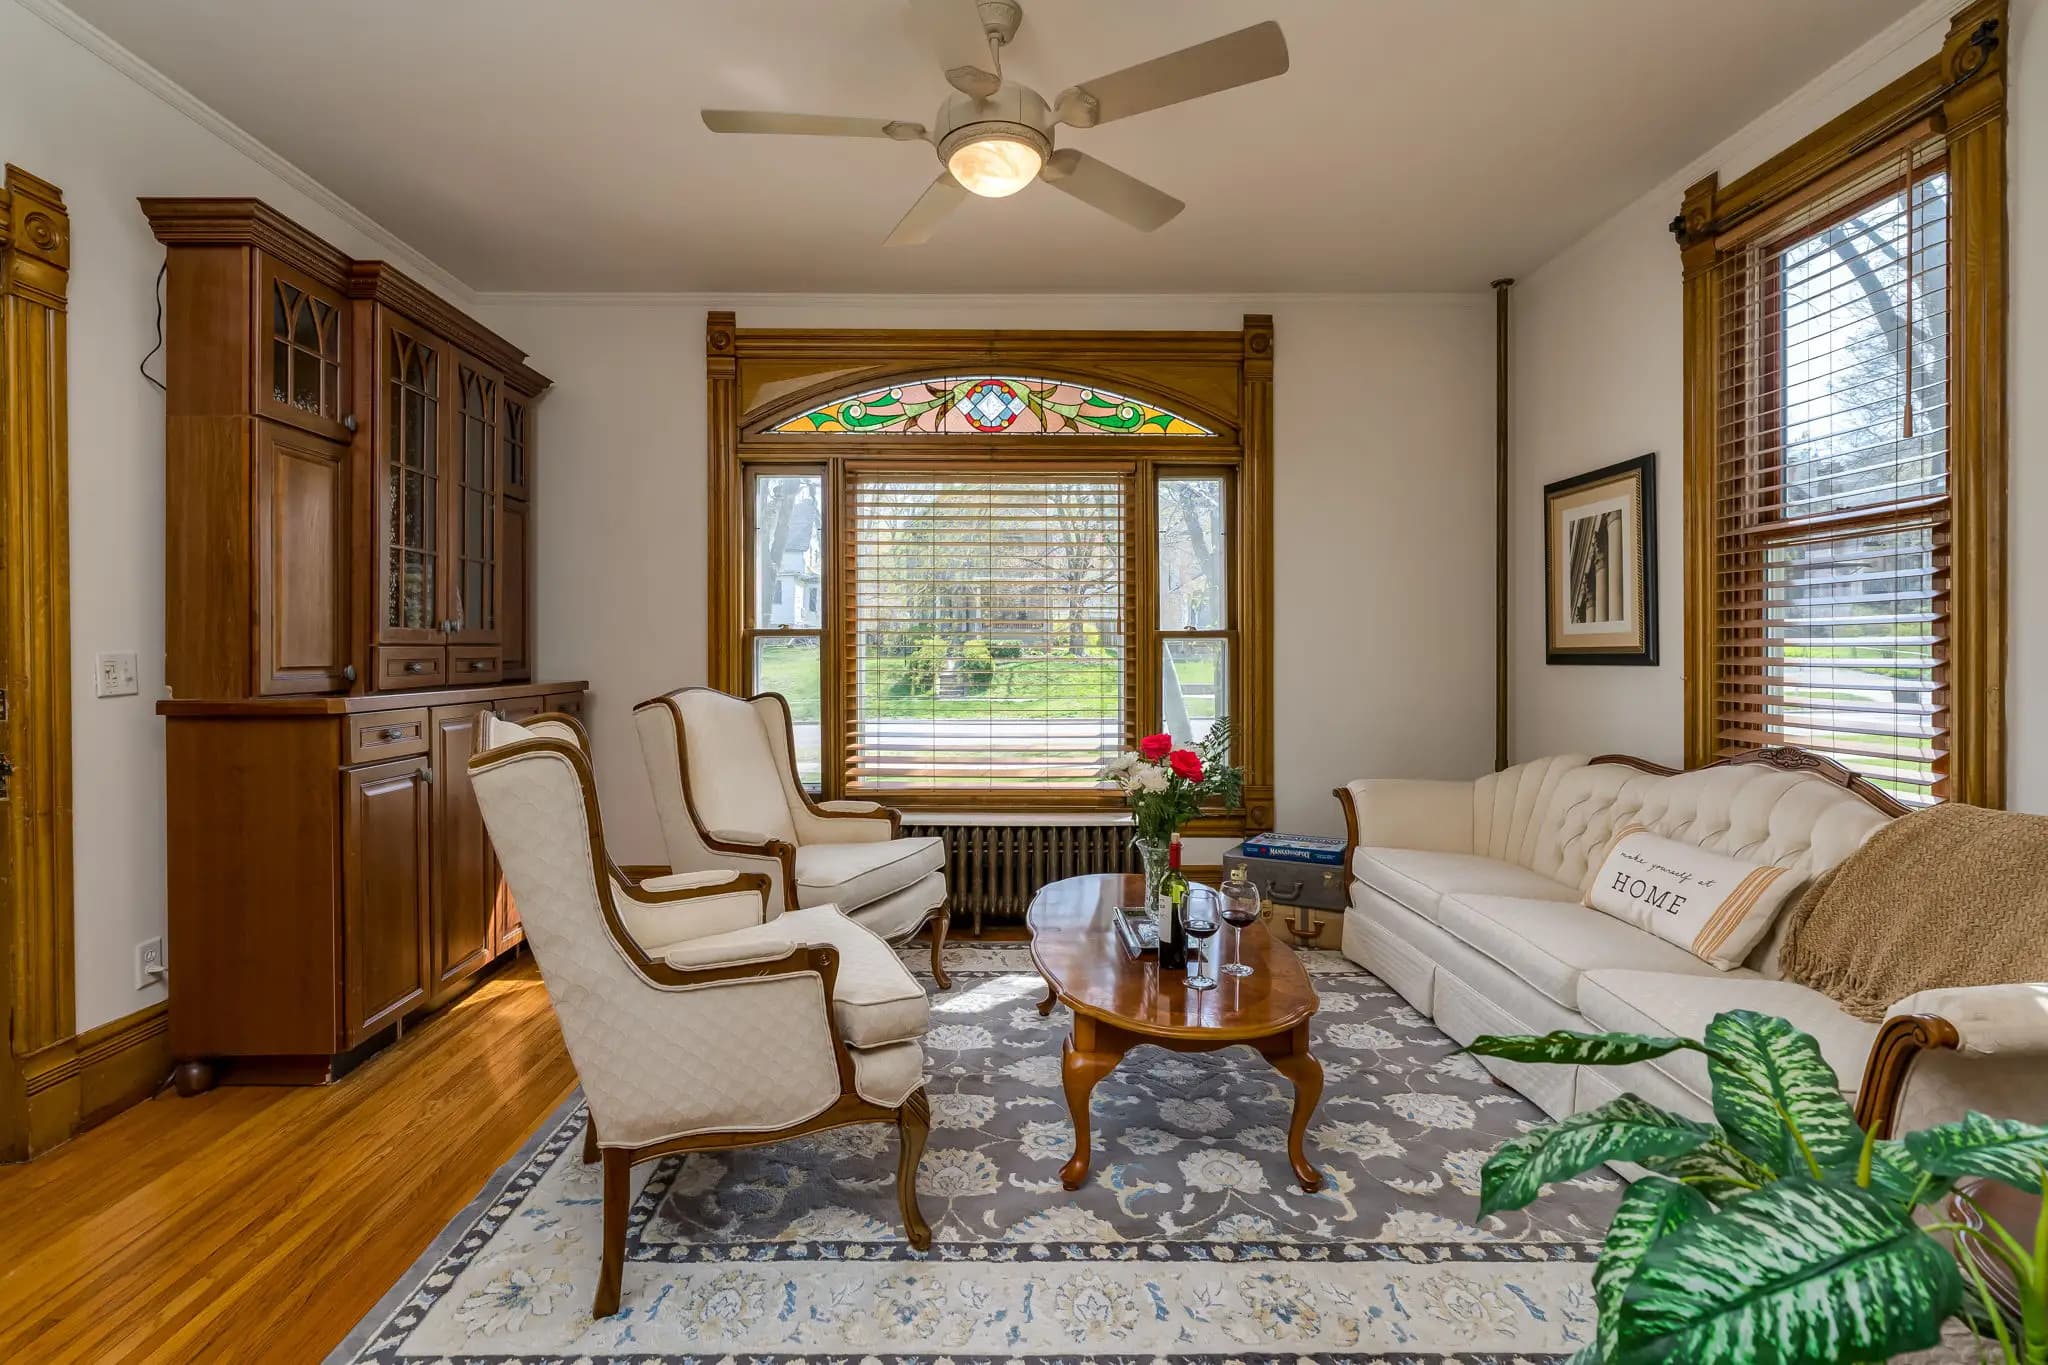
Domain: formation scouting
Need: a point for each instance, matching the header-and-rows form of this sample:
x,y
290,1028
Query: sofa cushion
x,y
853,875
1624,1001
1419,880
1551,943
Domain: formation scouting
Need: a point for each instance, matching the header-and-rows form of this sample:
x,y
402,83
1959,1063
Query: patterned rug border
x,y
480,1219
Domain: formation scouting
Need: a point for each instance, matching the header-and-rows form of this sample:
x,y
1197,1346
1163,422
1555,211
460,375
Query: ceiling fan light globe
x,y
995,167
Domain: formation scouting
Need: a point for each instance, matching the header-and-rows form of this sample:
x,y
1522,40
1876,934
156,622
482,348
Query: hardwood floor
x,y
260,1224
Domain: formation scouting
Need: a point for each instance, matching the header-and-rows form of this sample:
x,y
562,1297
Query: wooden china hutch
x,y
347,585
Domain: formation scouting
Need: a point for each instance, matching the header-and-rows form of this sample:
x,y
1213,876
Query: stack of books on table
x,y
1321,850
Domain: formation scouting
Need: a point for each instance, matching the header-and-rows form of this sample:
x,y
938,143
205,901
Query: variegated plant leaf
x,y
1761,1065
1564,1047
1715,1169
1626,1128
2002,1149
1649,1210
1896,1176
1797,1272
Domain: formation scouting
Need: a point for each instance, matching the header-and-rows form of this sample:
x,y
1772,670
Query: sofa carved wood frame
x,y
939,921
912,1118
1901,1038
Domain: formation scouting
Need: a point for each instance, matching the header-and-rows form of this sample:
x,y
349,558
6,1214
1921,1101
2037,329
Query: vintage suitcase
x,y
1307,899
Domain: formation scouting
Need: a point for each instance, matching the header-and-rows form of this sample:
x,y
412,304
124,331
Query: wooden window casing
x,y
1944,117
760,380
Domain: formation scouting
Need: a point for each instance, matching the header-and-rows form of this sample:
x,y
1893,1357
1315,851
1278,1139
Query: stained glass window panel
x,y
990,405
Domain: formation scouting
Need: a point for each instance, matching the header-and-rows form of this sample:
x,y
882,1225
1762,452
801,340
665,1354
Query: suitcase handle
x,y
1285,892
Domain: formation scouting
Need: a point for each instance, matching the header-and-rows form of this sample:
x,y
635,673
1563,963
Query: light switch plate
x,y
149,963
115,675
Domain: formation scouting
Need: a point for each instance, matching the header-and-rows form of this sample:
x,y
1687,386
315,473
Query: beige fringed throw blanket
x,y
1948,896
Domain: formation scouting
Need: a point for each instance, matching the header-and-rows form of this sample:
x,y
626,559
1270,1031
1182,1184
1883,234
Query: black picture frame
x,y
1633,643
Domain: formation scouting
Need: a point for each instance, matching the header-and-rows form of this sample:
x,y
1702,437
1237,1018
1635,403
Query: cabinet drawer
x,y
411,666
378,735
475,664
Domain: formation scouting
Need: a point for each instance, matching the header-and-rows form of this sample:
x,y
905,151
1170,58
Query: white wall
x,y
1597,377
1383,430
104,140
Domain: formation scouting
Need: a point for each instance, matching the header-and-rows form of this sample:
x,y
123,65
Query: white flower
x,y
1147,1141
1063,1223
1357,1139
1045,1141
1463,1168
1114,770
1363,1037
954,1172
506,1302
1215,1171
1149,779
962,1111
1432,1111
960,1038
1197,1116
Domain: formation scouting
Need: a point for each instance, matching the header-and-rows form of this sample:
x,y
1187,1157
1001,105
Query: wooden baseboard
x,y
78,1082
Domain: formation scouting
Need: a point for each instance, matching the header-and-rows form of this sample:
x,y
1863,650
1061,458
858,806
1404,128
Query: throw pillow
x,y
1715,907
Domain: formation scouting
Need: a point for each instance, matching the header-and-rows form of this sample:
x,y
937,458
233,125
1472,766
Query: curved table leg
x,y
1081,1066
1051,998
1290,1057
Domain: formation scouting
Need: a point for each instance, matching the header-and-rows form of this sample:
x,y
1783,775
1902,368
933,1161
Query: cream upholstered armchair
x,y
726,789
696,1017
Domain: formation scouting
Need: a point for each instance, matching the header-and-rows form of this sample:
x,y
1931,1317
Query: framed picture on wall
x,y
1600,565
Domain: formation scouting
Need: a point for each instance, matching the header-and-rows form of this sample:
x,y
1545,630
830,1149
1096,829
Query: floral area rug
x,y
1191,1240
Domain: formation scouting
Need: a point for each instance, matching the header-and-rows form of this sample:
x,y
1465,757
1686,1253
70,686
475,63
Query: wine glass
x,y
1201,923
1240,910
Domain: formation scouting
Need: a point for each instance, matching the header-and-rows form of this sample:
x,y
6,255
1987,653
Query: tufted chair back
x,y
1512,808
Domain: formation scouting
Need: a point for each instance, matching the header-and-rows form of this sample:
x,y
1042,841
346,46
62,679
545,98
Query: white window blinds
x,y
987,642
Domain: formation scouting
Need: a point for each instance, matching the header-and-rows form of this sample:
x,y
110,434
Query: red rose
x,y
1152,748
1186,763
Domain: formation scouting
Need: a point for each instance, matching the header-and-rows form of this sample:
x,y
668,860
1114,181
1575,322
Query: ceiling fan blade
x,y
1101,185
810,125
940,198
1250,54
961,41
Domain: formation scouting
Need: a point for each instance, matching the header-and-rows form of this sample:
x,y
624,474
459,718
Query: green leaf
x,y
1795,1273
1715,1169
1895,1176
1649,1210
1567,1048
2001,1149
1765,1071
1626,1128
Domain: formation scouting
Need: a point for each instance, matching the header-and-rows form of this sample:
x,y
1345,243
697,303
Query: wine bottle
x,y
1173,896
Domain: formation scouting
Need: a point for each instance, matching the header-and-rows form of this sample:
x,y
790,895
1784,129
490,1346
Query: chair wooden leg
x,y
913,1124
589,1140
618,1182
941,921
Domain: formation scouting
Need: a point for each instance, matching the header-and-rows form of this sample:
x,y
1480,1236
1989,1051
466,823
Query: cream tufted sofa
x,y
1465,898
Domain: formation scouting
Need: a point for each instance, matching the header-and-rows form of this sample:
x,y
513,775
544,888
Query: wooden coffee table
x,y
1120,1002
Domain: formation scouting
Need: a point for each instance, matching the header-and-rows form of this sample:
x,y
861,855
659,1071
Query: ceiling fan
x,y
995,137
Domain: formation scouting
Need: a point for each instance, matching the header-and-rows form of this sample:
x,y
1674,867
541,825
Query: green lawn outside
x,y
1042,688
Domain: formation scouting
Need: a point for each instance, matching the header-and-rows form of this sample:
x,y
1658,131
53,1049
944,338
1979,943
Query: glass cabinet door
x,y
302,357
474,498
410,473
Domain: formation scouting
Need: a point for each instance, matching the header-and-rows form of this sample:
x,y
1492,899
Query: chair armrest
x,y
1988,1020
847,822
723,950
752,840
682,881
690,905
1395,812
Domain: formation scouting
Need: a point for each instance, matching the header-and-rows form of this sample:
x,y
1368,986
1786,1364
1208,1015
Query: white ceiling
x,y
1415,144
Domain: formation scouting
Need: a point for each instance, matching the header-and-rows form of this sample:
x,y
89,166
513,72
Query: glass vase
x,y
1154,853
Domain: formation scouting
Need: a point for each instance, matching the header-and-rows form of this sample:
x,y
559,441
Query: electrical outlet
x,y
115,676
149,963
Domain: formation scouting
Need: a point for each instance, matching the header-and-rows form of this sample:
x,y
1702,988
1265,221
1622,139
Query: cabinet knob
x,y
348,423
427,772
392,734
415,666
348,674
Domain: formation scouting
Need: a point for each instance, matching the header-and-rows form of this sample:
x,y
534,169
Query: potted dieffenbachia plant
x,y
1781,1234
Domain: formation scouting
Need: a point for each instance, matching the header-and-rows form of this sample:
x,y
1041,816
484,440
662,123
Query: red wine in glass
x,y
1202,925
1240,913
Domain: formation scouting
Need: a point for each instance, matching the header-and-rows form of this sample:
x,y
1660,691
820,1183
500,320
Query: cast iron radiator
x,y
992,871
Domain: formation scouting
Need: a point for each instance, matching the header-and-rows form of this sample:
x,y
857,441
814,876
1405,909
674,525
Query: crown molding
x,y
99,44
732,301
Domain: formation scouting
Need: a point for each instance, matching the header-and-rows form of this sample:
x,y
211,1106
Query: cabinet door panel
x,y
409,487
518,446
475,465
300,488
518,604
302,352
385,814
463,875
